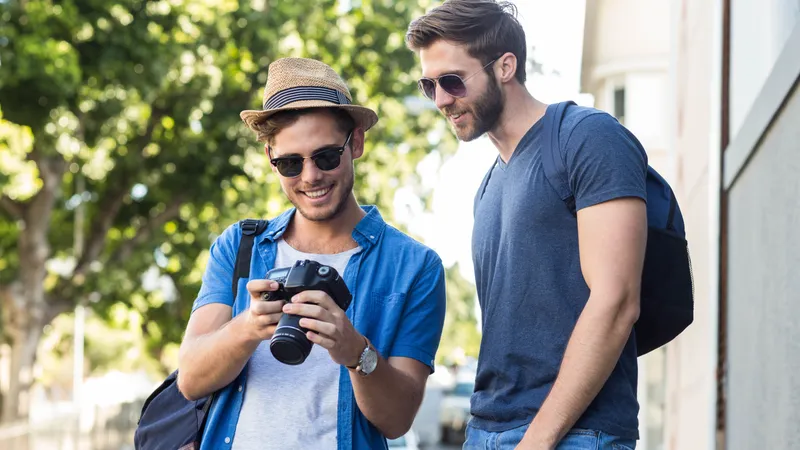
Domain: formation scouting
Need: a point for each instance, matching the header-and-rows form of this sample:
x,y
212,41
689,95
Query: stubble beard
x,y
339,204
486,111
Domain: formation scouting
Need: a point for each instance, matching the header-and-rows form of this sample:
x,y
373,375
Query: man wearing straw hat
x,y
364,379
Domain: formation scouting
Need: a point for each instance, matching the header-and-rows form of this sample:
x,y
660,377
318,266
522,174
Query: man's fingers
x,y
256,287
315,297
267,320
306,310
319,326
321,340
261,307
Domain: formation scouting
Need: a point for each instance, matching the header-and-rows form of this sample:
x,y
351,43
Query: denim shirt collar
x,y
366,233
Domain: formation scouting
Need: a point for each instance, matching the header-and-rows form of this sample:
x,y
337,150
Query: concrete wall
x,y
764,292
694,124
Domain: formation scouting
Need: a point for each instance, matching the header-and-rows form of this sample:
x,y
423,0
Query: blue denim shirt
x,y
398,288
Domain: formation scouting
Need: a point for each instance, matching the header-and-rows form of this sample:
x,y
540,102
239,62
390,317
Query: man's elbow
x,y
187,386
629,308
397,429
401,425
619,303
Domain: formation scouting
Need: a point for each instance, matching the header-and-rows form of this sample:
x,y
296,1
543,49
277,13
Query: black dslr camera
x,y
289,344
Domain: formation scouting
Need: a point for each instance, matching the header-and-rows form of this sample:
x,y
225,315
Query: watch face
x,y
370,361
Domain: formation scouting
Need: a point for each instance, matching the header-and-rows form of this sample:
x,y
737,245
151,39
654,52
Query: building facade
x,y
728,110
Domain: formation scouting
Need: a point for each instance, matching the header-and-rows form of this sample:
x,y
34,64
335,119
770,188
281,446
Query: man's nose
x,y
311,172
443,99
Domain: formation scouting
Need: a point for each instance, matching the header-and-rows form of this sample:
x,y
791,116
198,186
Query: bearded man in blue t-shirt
x,y
559,294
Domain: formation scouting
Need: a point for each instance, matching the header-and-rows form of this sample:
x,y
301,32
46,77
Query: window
x,y
619,103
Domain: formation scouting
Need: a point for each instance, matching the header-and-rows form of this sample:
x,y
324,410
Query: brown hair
x,y
271,126
487,28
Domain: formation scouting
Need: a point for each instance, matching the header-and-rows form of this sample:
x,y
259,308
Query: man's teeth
x,y
317,193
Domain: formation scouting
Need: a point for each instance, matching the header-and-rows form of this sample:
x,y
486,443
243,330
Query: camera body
x,y
289,343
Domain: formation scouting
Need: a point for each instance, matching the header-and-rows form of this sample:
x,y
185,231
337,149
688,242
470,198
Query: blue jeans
x,y
576,439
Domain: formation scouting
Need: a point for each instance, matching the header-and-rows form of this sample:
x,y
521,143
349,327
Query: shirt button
x,y
227,440
372,237
240,388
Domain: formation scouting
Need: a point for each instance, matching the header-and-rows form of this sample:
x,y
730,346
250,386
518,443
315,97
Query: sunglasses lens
x,y
328,160
453,85
428,87
289,167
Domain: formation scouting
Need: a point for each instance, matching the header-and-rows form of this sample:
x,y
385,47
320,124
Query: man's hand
x,y
262,317
329,326
529,444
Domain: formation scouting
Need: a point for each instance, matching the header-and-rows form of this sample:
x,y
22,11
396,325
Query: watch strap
x,y
361,356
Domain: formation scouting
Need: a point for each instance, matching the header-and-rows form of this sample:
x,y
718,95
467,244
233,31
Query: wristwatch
x,y
368,360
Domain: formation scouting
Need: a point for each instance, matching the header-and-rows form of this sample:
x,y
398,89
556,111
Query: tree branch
x,y
113,201
57,305
13,207
51,171
144,232
107,212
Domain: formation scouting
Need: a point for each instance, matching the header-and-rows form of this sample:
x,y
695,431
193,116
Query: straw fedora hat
x,y
299,83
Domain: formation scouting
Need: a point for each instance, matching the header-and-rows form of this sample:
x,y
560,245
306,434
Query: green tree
x,y
122,151
460,336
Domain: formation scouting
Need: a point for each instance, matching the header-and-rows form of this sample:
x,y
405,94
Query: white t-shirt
x,y
291,407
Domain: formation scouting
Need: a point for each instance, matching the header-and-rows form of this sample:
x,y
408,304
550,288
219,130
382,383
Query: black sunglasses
x,y
451,83
325,159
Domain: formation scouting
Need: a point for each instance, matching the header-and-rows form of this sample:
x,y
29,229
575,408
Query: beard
x,y
485,112
341,194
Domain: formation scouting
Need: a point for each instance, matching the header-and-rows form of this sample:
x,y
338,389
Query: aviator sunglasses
x,y
326,159
451,83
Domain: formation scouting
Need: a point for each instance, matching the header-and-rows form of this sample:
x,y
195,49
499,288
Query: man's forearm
x,y
388,398
211,361
591,354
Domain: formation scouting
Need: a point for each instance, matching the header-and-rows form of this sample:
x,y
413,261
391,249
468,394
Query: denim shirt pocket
x,y
382,319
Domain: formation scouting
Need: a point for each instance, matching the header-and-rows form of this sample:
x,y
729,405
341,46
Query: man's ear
x,y
506,67
357,143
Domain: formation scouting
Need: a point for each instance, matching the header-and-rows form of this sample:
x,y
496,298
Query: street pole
x,y
80,313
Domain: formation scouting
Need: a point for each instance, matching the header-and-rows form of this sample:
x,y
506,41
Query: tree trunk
x,y
25,307
25,329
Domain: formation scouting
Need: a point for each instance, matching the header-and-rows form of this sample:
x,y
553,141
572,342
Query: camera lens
x,y
289,344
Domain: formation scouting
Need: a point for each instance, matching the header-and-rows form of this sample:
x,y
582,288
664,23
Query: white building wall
x,y
695,109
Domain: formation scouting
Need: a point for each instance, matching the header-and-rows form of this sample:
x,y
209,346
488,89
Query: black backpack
x,y
168,420
667,291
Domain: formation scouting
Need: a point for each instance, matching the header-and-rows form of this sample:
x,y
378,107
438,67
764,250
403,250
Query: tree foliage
x,y
123,155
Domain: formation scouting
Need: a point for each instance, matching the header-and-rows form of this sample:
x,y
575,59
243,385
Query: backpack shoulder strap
x,y
552,159
241,269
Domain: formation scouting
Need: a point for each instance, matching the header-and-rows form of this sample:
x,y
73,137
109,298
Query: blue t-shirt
x,y
528,274
398,288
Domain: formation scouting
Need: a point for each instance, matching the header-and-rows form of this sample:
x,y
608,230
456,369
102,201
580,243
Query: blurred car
x,y
455,408
408,441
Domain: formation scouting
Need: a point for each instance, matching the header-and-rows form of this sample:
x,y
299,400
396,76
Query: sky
x,y
555,29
